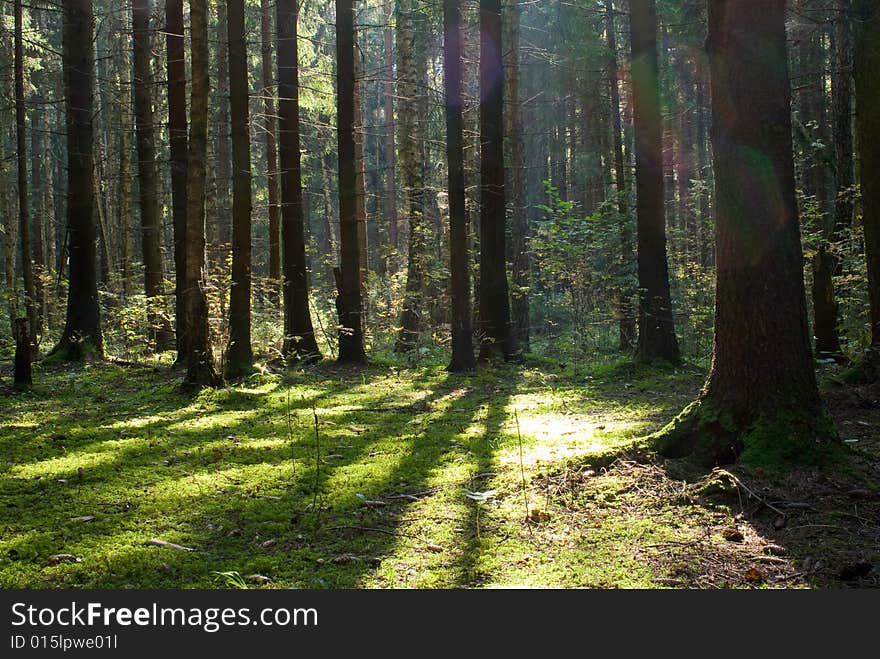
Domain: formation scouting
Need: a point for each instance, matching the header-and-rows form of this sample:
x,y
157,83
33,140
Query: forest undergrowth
x,y
394,477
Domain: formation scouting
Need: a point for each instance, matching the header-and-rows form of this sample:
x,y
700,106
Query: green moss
x,y
792,438
709,436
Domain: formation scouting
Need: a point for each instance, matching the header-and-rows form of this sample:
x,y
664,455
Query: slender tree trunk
x,y
38,186
239,355
520,227
827,263
656,328
459,262
161,335
390,149
218,228
200,370
761,401
360,164
299,336
271,154
122,228
867,93
6,209
816,184
177,127
627,324
349,303
409,59
82,336
24,220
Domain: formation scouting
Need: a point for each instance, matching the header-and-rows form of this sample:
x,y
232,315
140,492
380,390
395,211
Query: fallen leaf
x,y
344,559
437,549
755,575
259,578
268,543
538,515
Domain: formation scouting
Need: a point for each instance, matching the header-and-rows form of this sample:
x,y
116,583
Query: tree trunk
x,y
867,92
409,59
24,220
761,401
271,154
390,150
239,355
459,262
349,303
82,331
520,227
496,335
627,322
218,228
176,65
656,328
298,332
151,224
200,369
122,227
360,179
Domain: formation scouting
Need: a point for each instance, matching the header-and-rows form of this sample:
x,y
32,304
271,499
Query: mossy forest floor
x,y
515,477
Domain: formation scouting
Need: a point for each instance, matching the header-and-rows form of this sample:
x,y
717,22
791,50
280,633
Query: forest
x,y
389,294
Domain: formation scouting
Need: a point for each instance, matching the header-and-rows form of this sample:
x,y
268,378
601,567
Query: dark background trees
x,y
565,205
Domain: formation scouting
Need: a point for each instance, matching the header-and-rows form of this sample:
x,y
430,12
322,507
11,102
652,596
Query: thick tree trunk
x,y
360,165
761,401
496,335
161,335
460,283
239,355
176,65
82,331
627,321
656,328
299,336
409,65
271,154
517,178
24,220
349,303
867,92
200,370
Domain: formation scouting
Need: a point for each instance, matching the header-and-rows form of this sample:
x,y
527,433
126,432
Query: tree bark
x,y
627,321
271,154
298,331
177,127
82,336
161,336
459,261
867,93
200,370
520,227
390,149
409,61
349,302
496,335
657,339
218,227
761,401
239,355
24,220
